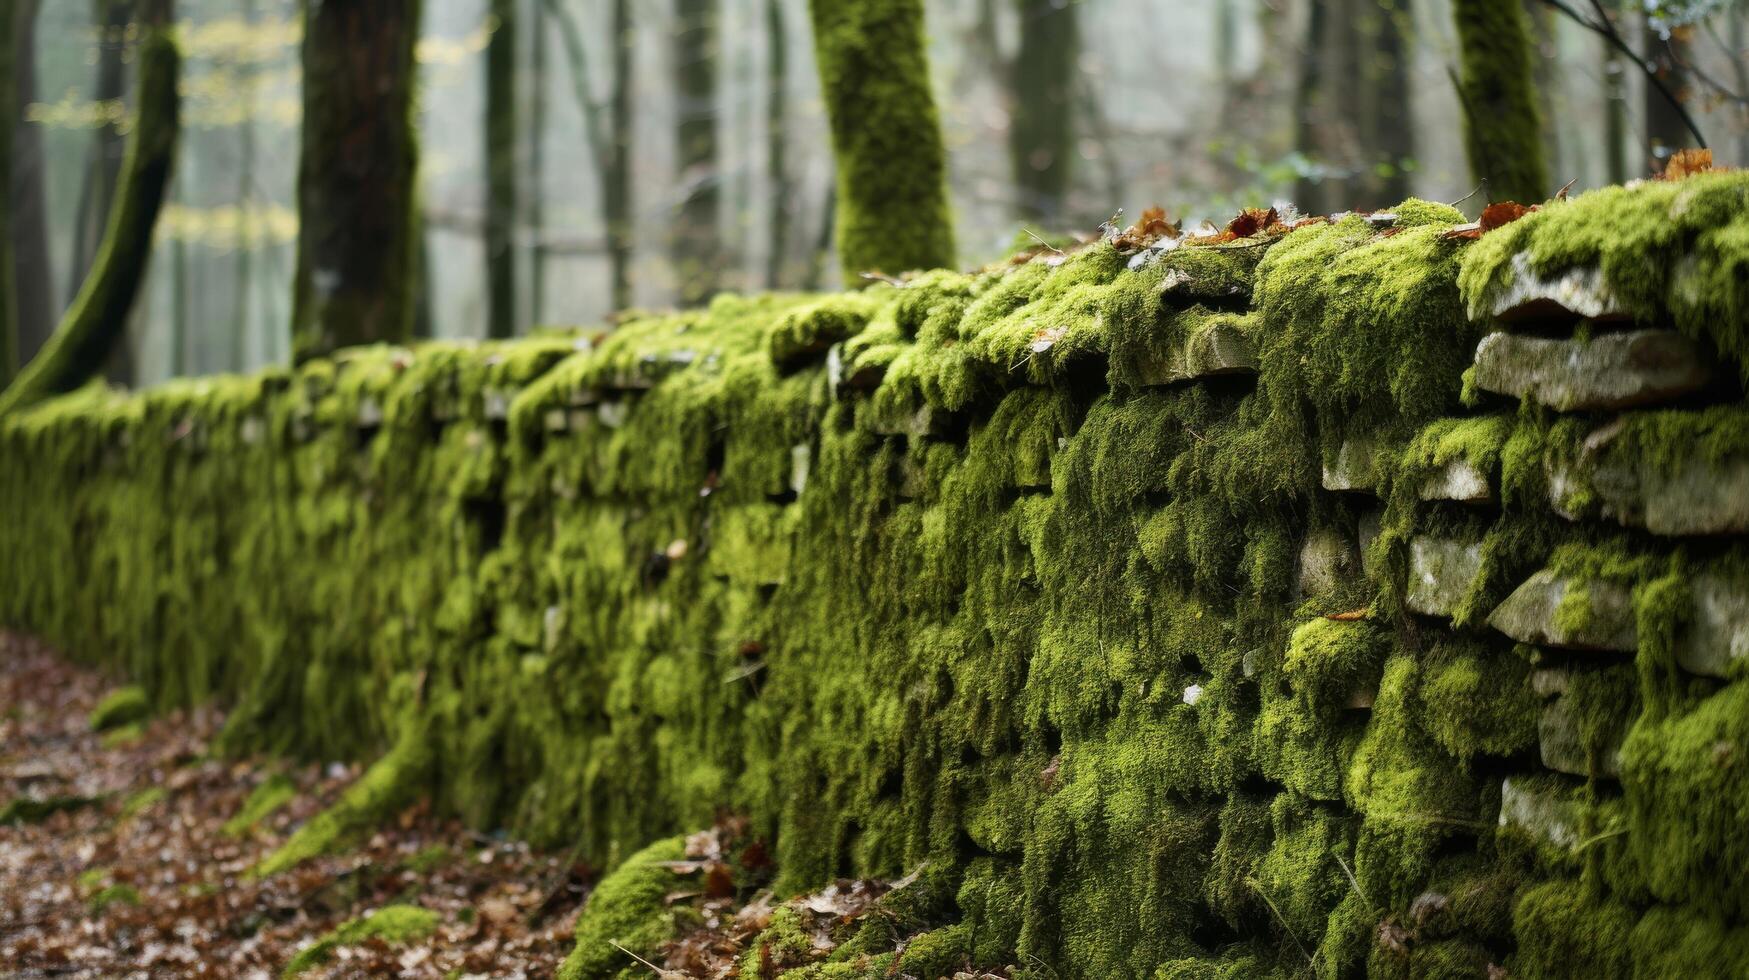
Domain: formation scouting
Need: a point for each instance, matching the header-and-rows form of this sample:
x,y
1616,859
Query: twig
x,y
1479,189
1354,881
1311,961
653,967
1606,30
1041,241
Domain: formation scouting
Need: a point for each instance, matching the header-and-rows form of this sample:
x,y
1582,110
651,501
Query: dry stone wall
x,y
1358,599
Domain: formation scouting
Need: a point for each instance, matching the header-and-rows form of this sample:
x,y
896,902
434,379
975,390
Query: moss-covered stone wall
x,y
1360,599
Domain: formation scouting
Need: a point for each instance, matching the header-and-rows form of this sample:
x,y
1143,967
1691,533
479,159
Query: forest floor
x,y
135,874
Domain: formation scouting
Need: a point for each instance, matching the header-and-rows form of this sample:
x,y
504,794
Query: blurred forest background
x,y
1056,113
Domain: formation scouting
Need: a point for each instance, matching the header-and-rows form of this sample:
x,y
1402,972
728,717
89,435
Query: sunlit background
x,y
1203,106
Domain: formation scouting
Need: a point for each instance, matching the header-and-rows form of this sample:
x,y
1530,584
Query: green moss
x,y
27,809
141,801
392,925
1498,92
100,902
123,706
1475,702
263,801
1564,932
626,914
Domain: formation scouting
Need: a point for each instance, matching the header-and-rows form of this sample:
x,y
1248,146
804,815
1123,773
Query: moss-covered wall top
x,y
1361,598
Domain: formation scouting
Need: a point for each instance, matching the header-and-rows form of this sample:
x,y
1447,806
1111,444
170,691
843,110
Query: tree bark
x,y
1041,131
1503,135
697,245
500,129
9,24
892,205
356,174
617,174
32,264
776,142
97,320
103,162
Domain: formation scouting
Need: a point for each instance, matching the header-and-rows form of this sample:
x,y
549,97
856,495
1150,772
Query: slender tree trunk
x,y
1503,135
500,130
1615,110
776,141
9,25
617,174
356,173
32,263
1041,131
532,211
1665,131
893,212
697,249
110,19
1309,189
97,320
236,334
1389,128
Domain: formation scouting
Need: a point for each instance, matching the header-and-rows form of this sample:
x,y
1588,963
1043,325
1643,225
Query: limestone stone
x,y
1328,560
1697,495
1371,524
1718,635
496,403
1574,294
921,422
1217,348
1531,614
1542,808
801,458
1458,480
1563,748
1353,468
1441,571
1612,371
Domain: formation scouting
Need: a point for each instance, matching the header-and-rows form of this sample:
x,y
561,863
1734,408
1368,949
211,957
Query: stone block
x,y
1695,495
1532,614
1458,480
1718,635
1571,295
1563,747
1441,571
1215,349
1328,560
1543,809
1612,371
1353,468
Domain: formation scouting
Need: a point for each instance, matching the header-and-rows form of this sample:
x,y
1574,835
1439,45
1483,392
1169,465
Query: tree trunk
x,y
1502,133
1615,113
9,25
892,206
1041,131
1309,189
617,174
1389,127
356,174
776,141
97,320
1665,130
532,211
33,265
500,130
103,164
697,246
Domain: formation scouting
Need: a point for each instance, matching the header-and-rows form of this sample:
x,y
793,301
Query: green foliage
x,y
393,925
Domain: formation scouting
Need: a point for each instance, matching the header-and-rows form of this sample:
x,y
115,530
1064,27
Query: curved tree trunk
x,y
893,212
697,241
97,320
500,130
356,173
1502,132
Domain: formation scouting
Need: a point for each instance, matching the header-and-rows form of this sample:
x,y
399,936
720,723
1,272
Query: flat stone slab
x,y
1531,614
1574,294
1612,371
921,422
1215,349
1697,495
1718,636
1548,812
1458,480
1441,571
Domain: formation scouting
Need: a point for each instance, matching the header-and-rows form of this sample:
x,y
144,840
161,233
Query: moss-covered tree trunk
x,y
892,207
1502,132
109,19
8,291
697,243
617,170
500,130
1041,85
777,143
97,320
356,172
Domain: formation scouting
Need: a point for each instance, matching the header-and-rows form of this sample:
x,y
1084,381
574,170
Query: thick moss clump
x,y
121,707
394,925
626,916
